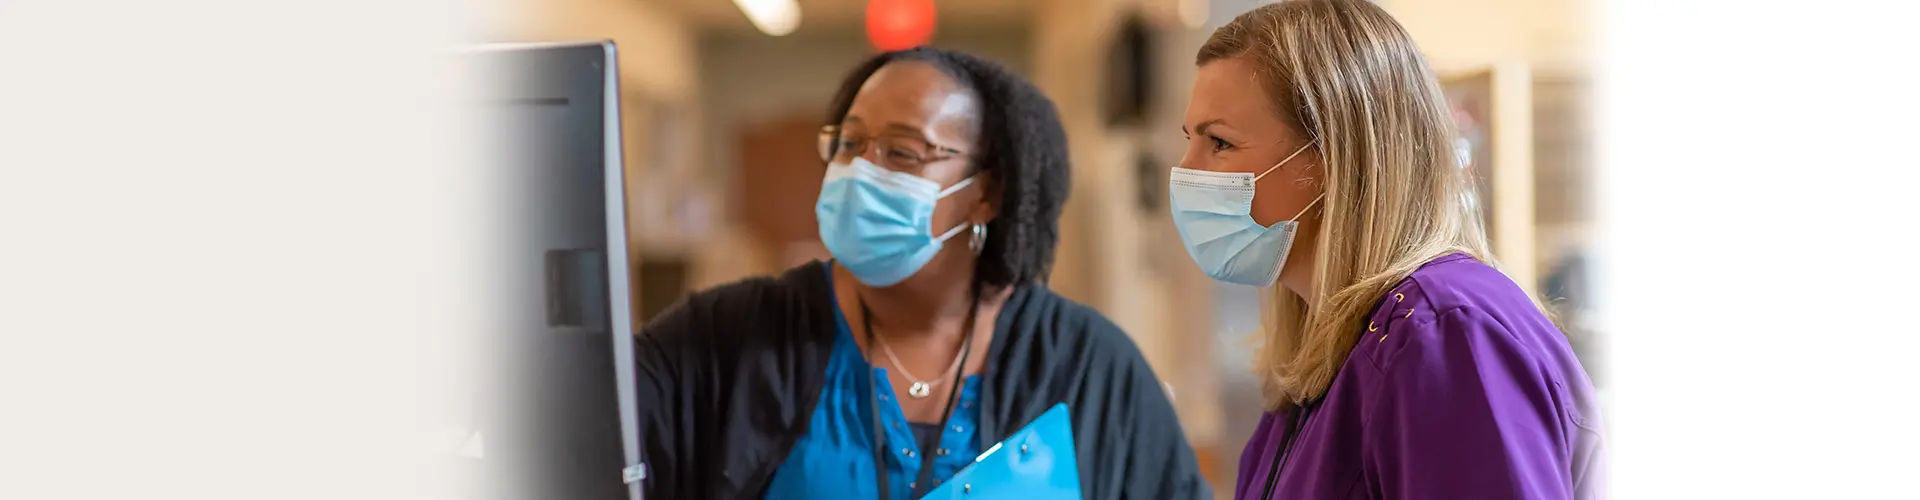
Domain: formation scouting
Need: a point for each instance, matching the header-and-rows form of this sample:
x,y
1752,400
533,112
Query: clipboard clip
x,y
634,473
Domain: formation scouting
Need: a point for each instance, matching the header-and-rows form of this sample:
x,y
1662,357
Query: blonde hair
x,y
1346,74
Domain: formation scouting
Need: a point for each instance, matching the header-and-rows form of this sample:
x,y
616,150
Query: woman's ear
x,y
1313,171
989,206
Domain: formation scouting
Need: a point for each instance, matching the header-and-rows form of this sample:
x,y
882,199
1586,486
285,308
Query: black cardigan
x,y
728,379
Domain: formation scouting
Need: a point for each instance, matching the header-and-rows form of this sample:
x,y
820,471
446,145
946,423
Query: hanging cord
x,y
1296,421
953,398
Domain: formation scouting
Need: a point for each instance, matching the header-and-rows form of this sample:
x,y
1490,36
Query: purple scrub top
x,y
1459,388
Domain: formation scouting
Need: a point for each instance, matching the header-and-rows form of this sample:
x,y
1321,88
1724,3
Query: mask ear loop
x,y
1303,211
950,232
957,186
1276,166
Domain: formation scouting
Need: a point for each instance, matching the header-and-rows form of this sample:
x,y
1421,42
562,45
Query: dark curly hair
x,y
1022,144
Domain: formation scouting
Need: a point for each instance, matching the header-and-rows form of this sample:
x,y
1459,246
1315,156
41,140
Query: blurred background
x,y
724,101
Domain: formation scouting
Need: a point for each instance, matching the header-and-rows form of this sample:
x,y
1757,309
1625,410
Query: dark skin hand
x,y
922,318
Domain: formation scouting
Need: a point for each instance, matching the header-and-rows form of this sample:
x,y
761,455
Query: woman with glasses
x,y
931,335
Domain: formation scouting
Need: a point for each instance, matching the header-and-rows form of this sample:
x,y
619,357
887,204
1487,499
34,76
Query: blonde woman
x,y
1398,362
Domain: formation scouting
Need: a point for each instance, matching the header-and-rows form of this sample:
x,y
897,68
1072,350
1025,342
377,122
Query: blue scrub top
x,y
834,459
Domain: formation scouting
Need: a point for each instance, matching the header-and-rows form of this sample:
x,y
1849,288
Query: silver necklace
x,y
920,389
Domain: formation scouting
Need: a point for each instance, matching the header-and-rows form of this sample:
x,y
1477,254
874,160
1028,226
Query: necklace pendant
x,y
919,390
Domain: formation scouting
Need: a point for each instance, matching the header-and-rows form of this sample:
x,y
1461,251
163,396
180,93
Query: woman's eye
x,y
1219,145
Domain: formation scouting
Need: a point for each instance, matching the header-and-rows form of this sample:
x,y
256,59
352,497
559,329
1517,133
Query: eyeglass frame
x,y
830,139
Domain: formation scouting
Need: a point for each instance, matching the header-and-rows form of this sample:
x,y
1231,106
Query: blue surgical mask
x,y
878,223
1214,213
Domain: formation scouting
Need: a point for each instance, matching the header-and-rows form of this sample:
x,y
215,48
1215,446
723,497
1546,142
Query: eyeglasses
x,y
896,152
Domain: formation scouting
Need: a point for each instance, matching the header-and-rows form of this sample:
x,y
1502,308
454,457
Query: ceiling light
x,y
773,17
1194,13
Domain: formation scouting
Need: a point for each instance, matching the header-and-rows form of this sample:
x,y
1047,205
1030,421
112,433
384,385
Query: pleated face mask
x,y
1213,212
878,223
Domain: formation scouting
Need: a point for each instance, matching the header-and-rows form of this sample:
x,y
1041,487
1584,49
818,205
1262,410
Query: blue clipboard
x,y
1037,463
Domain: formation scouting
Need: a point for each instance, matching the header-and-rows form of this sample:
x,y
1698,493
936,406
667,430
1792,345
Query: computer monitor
x,y
558,417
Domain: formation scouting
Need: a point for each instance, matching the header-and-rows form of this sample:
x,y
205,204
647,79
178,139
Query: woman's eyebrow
x,y
1203,126
905,129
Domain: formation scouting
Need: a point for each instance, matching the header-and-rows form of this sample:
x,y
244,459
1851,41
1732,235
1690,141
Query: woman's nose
x,y
872,152
1187,159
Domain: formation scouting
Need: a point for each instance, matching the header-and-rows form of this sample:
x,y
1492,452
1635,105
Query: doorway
x,y
777,181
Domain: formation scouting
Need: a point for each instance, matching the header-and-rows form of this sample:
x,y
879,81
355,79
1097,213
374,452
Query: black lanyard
x,y
873,398
1296,421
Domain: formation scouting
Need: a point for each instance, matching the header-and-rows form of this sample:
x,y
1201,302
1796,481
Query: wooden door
x,y
777,182
1496,105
